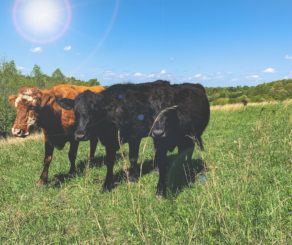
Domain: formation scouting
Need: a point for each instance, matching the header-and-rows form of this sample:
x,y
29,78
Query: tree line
x,y
272,91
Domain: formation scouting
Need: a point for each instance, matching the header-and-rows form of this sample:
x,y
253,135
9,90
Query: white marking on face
x,y
31,121
18,99
27,97
17,132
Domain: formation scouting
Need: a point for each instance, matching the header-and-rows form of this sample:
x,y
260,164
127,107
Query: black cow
x,y
244,102
174,115
180,126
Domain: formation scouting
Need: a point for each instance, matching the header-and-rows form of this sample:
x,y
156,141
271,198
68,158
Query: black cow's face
x,y
159,127
165,124
88,112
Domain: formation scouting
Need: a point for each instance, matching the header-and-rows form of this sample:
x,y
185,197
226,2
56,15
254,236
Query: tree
x,y
36,71
9,75
38,76
93,82
58,76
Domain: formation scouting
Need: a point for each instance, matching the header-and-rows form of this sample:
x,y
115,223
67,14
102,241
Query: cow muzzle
x,y
80,136
19,132
158,133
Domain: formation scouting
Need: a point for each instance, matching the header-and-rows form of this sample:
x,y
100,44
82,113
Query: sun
x,y
42,21
42,16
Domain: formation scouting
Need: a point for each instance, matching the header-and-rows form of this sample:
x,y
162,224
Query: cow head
x,y
89,111
165,123
26,103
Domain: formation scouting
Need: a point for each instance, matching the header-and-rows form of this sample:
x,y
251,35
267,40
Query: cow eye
x,y
31,108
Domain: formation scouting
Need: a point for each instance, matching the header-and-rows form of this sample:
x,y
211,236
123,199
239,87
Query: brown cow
x,y
35,106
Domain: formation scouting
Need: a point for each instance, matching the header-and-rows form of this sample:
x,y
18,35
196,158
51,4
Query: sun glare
x,y
42,16
42,20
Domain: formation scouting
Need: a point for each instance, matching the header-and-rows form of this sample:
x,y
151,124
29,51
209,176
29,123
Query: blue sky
x,y
216,43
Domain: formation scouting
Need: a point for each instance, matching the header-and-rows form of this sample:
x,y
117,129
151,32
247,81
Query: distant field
x,y
237,106
244,195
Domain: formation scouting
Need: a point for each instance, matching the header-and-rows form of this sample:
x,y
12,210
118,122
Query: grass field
x,y
242,196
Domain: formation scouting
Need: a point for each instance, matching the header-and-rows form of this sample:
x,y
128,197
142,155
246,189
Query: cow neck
x,y
49,119
47,99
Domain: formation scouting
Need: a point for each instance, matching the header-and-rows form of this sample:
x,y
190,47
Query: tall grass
x,y
241,196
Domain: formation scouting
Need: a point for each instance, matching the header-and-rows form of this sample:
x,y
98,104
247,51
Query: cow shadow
x,y
119,177
97,162
81,166
181,174
145,168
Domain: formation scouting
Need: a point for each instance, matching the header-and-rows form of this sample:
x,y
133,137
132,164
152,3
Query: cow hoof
x,y
159,197
133,178
91,162
41,182
160,193
72,174
106,188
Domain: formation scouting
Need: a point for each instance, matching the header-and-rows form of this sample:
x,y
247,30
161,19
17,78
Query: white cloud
x,y
67,48
109,73
124,75
138,74
253,76
269,70
234,79
36,50
199,76
288,57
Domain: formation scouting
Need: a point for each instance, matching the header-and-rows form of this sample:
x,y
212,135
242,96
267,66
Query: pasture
x,y
238,191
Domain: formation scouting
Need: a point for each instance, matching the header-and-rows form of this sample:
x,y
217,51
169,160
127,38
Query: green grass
x,y
246,198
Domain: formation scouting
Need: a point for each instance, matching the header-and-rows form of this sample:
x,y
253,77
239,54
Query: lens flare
x,y
42,21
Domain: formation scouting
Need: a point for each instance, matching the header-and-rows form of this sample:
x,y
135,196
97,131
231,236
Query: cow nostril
x,y
79,135
158,133
15,131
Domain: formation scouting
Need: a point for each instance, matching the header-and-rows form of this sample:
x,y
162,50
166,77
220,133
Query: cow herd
x,y
173,115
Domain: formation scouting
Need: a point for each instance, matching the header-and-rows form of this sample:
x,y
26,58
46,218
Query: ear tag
x,y
120,97
141,117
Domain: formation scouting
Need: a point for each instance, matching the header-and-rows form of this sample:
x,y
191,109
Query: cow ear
x,y
65,103
12,99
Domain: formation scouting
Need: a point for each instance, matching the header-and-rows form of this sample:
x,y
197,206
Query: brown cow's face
x,y
26,104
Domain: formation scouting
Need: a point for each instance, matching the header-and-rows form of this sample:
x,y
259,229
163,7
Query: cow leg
x,y
93,144
133,154
49,149
109,160
72,157
186,149
161,160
